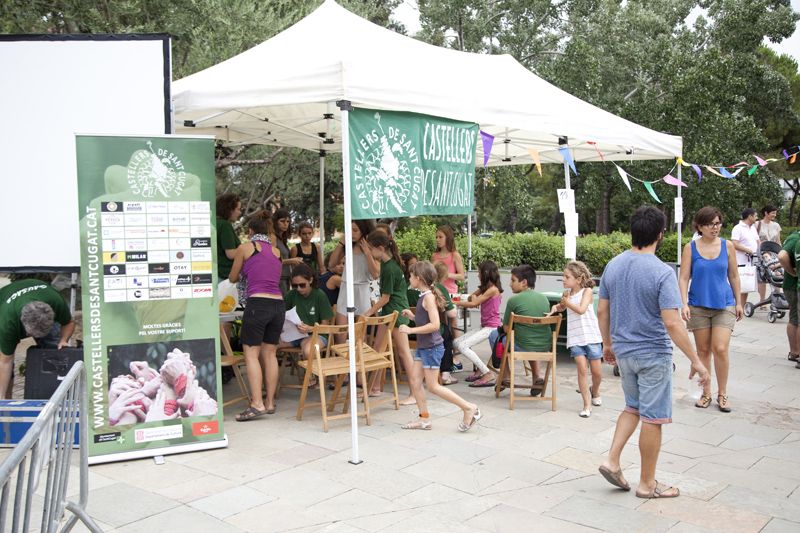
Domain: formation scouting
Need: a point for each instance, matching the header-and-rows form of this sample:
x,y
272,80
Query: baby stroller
x,y
769,271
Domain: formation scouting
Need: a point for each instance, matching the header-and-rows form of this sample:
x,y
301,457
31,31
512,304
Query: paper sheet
x,y
290,322
571,223
570,243
566,201
678,210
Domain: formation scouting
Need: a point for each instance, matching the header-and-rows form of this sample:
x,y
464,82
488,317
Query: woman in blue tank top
x,y
710,305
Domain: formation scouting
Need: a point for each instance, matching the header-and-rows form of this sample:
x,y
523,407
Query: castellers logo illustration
x,y
156,173
387,174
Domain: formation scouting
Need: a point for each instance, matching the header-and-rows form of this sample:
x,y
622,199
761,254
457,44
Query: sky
x,y
408,13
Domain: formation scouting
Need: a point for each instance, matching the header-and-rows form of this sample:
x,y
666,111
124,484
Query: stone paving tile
x,y
683,527
303,485
777,525
180,519
711,435
779,467
352,504
230,502
503,518
743,478
519,467
431,494
430,522
690,449
471,479
145,474
578,460
533,499
275,516
692,486
298,455
608,517
121,504
463,450
595,487
711,515
382,481
195,489
757,501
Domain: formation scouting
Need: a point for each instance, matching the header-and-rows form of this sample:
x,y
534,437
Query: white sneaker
x,y
597,400
586,413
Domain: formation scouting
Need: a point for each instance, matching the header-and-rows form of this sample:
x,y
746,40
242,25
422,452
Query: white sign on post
x,y
570,244
566,201
678,210
571,223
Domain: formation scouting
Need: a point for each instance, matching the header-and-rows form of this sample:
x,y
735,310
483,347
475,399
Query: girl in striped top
x,y
584,341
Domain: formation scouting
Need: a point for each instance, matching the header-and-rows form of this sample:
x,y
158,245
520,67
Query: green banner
x,y
406,164
148,269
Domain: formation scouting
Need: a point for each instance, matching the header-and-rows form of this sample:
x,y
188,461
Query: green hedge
x,y
539,249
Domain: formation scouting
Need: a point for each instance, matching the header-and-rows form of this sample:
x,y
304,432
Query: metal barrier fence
x,y
48,445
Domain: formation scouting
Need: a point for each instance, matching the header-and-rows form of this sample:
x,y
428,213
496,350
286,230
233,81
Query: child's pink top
x,y
450,262
490,312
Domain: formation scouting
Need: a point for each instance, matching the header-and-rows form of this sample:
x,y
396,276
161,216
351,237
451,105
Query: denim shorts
x,y
297,342
590,351
647,384
430,357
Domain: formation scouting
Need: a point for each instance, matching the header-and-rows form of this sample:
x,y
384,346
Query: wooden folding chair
x,y
235,361
288,358
512,356
335,367
376,358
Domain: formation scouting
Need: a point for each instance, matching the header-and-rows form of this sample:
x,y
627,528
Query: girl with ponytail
x,y
394,298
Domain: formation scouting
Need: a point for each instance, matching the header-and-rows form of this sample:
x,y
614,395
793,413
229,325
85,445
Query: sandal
x,y
537,389
462,427
449,381
703,402
615,478
660,491
793,356
417,424
251,413
472,377
484,381
722,401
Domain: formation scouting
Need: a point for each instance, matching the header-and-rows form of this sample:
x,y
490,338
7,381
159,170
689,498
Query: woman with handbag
x,y
710,306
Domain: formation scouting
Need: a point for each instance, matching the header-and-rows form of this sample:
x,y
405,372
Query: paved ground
x,y
518,470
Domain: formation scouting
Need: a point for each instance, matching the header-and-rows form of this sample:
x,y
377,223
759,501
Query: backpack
x,y
499,348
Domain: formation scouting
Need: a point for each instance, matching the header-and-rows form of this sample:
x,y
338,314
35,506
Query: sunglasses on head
x,y
299,285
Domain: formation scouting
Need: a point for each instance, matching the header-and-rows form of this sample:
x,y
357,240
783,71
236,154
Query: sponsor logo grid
x,y
156,250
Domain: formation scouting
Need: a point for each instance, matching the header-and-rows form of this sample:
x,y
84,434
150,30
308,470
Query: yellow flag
x,y
536,160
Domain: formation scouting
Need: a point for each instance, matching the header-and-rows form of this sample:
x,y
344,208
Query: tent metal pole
x,y
345,106
680,220
322,200
566,176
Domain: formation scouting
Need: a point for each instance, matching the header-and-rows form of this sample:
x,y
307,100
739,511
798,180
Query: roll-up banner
x,y
407,164
150,316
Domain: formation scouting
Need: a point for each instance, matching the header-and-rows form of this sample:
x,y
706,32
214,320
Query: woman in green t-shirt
x,y
312,307
393,298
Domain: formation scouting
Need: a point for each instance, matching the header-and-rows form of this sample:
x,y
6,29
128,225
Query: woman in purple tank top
x,y
260,262
430,347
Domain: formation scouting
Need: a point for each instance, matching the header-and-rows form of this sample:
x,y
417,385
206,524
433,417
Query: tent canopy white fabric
x,y
280,91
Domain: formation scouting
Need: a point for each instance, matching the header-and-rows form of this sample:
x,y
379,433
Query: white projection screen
x,y
52,87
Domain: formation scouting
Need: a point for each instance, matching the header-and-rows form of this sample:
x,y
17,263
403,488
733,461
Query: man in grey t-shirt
x,y
639,312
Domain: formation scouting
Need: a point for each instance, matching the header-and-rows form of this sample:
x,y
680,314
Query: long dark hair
x,y
226,203
449,238
379,238
406,257
489,276
276,216
365,226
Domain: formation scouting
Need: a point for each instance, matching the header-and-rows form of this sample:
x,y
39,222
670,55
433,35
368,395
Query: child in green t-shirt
x,y
312,307
394,298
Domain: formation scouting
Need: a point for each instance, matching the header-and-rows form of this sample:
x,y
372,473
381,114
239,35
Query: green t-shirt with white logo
x,y
15,296
312,309
791,247
534,304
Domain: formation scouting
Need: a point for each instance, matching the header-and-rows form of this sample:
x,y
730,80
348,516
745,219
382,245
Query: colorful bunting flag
x,y
624,176
699,173
714,171
603,159
488,141
760,161
536,159
649,186
671,180
785,155
568,158
792,159
725,173
752,170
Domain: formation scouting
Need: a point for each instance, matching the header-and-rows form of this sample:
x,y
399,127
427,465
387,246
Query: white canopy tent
x,y
284,91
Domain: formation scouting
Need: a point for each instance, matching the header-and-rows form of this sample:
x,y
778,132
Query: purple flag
x,y
699,173
568,158
785,155
488,141
671,180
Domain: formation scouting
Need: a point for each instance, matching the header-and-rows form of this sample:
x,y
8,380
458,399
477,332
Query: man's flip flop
x,y
251,413
660,491
615,478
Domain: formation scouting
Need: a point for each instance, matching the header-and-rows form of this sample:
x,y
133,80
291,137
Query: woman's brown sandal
x,y
722,401
703,402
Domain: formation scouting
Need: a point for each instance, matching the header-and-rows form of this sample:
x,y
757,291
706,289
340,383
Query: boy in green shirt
x,y
528,302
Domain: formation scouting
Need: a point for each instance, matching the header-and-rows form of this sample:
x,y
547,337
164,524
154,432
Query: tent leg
x,y
679,220
322,198
345,107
